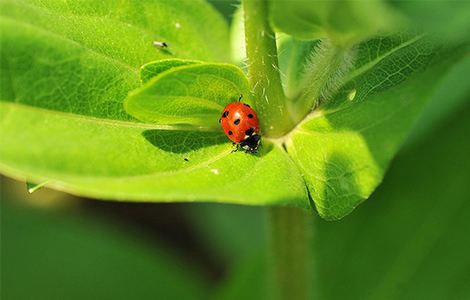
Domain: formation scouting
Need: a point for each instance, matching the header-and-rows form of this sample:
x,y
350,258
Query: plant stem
x,y
290,243
324,74
263,70
289,234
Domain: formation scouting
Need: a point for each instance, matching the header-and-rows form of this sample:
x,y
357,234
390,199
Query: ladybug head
x,y
251,143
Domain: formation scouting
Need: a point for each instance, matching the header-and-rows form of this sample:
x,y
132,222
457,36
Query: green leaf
x,y
152,69
344,22
46,255
194,94
125,31
344,148
62,119
121,160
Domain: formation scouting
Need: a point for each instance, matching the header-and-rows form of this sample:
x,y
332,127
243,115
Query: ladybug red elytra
x,y
241,125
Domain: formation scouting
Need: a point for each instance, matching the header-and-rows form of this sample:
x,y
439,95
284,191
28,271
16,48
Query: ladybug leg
x,y
251,144
236,148
240,98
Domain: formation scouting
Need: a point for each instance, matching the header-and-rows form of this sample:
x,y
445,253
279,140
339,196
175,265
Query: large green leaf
x,y
133,161
71,126
344,148
66,68
65,78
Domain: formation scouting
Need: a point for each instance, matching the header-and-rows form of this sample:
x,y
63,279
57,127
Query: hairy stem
x,y
263,70
290,243
324,74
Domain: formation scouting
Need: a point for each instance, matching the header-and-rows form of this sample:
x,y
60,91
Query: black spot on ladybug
x,y
236,122
225,114
249,131
246,104
230,132
250,116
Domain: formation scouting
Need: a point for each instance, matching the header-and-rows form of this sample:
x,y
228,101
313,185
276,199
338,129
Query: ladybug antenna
x,y
241,96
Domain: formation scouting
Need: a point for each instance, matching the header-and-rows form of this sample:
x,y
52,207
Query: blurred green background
x,y
411,240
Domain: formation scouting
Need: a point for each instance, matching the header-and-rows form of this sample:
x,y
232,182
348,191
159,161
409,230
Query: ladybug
x,y
241,125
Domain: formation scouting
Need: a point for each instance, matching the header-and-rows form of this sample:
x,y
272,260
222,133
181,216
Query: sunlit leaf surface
x,y
90,106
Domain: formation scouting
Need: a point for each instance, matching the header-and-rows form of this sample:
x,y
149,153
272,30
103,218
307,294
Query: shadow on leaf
x,y
341,184
178,141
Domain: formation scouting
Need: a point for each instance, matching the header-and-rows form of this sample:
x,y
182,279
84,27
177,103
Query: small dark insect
x,y
160,44
185,159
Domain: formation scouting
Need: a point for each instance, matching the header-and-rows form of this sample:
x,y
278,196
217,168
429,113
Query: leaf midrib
x,y
204,163
103,121
209,104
